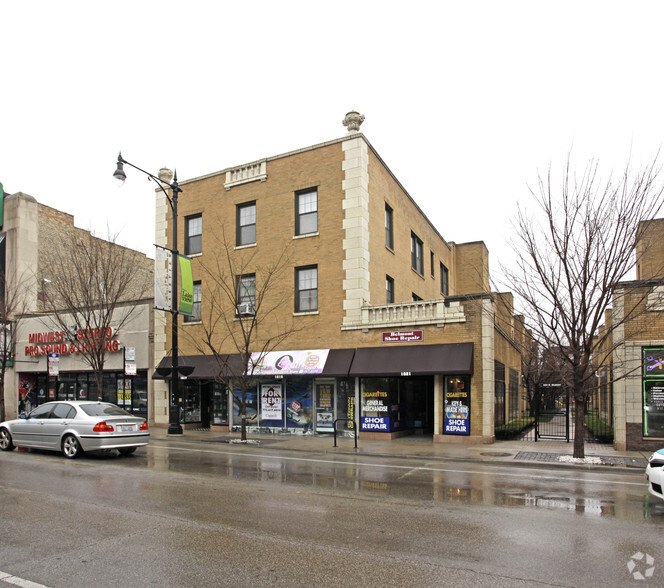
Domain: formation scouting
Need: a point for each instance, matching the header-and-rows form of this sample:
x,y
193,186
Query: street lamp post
x,y
164,179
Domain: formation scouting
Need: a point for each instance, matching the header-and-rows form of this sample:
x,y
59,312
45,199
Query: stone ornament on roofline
x,y
353,121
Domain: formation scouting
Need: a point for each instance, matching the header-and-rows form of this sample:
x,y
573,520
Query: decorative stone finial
x,y
165,175
353,121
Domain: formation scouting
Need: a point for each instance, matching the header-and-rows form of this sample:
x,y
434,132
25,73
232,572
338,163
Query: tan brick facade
x,y
636,322
354,187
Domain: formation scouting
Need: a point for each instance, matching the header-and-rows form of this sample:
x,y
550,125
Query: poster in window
x,y
456,407
271,402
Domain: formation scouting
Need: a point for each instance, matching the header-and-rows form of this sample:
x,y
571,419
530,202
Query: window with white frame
x,y
193,234
306,289
306,212
246,224
246,295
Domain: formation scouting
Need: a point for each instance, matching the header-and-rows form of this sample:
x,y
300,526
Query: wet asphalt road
x,y
191,514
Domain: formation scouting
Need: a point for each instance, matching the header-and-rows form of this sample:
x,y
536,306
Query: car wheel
x,y
6,443
127,450
71,447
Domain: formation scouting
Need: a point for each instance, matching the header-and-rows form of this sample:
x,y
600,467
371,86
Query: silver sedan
x,y
76,427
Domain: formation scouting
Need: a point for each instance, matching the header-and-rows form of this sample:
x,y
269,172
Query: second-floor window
x,y
246,224
246,295
444,280
389,228
389,288
196,308
306,289
417,254
306,212
193,234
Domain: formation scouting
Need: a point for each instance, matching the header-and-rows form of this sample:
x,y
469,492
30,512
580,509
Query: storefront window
x,y
67,387
299,403
346,404
653,391
139,399
380,407
456,405
110,391
192,402
219,404
82,387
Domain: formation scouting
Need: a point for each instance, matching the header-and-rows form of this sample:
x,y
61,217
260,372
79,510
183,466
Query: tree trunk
x,y
579,427
243,417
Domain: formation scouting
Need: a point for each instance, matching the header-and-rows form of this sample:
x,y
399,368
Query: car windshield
x,y
103,410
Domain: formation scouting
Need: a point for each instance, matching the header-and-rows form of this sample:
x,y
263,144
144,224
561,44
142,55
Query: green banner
x,y
186,286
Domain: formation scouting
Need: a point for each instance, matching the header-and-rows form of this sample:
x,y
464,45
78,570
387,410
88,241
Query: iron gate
x,y
552,419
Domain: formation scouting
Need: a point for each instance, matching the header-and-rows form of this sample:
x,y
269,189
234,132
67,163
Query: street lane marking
x,y
16,581
400,467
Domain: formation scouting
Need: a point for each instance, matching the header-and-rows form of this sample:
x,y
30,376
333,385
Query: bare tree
x,y
569,258
94,289
246,313
13,303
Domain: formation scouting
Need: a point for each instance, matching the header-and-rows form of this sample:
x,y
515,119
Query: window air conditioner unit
x,y
245,308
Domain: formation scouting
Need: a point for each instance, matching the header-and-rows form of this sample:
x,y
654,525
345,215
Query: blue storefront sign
x,y
375,423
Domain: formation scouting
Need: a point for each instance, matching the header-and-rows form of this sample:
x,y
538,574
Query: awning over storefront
x,y
338,362
205,367
415,360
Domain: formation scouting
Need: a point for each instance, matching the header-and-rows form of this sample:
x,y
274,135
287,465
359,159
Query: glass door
x,y
325,407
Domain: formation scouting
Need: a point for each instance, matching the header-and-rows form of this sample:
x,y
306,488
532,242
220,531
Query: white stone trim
x,y
356,228
251,172
488,369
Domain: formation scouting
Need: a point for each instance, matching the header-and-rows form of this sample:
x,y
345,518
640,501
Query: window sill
x,y
307,313
187,323
316,234
247,246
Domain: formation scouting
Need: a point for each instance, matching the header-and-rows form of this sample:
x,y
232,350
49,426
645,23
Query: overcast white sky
x,y
464,101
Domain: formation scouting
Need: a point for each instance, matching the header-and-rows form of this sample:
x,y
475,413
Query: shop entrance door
x,y
325,393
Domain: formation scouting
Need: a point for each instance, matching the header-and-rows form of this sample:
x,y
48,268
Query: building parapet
x,y
251,172
408,314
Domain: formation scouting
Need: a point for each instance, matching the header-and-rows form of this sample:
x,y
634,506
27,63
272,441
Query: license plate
x,y
125,428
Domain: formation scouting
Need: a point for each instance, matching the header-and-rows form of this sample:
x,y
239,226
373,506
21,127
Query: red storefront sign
x,y
402,336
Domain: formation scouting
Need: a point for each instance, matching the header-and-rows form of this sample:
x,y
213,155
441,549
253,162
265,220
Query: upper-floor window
x,y
196,307
306,289
416,298
193,234
431,258
246,295
246,224
444,280
389,289
389,227
416,254
306,211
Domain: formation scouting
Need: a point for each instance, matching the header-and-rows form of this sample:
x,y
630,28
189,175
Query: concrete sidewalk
x,y
542,453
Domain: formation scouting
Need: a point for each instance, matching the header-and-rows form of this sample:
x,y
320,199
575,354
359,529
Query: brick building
x,y
397,327
34,233
633,372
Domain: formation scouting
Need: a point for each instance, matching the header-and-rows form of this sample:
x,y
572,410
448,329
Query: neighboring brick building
x,y
405,318
34,232
636,366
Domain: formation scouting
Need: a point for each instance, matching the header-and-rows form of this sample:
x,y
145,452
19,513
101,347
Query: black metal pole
x,y
174,427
